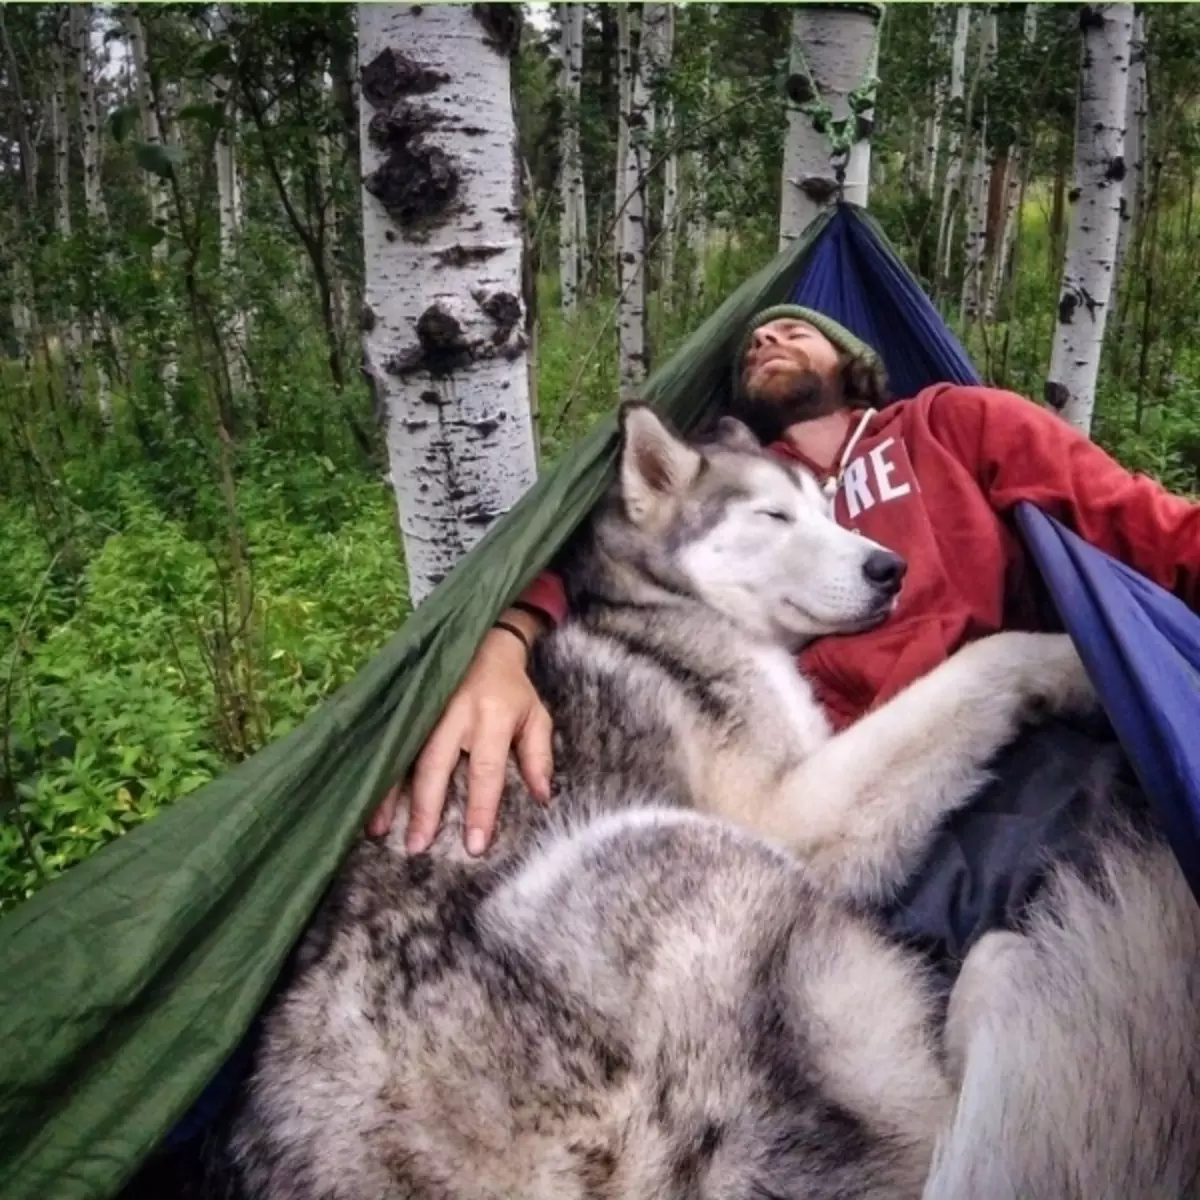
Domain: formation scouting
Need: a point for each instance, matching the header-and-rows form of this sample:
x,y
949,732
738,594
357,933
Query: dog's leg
x,y
1078,1045
861,810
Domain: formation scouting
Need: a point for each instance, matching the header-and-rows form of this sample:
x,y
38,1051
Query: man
x,y
933,478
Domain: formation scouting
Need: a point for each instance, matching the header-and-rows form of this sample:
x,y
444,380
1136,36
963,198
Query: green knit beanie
x,y
839,335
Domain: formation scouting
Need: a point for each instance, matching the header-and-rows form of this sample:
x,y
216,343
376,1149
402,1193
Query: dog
x,y
670,982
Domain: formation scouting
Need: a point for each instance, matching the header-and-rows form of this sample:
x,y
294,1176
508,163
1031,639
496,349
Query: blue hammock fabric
x,y
855,277
1141,645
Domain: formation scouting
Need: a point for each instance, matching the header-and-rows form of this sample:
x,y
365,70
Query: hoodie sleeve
x,y
1021,451
548,595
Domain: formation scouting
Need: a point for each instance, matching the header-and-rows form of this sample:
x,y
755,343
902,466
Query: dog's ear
x,y
655,465
736,435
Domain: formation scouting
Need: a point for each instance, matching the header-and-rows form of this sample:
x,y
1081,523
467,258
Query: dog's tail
x,y
1079,1043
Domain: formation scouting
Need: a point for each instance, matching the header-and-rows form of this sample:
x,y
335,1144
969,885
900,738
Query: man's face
x,y
791,372
784,352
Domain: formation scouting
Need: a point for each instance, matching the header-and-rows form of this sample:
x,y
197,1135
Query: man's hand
x,y
494,710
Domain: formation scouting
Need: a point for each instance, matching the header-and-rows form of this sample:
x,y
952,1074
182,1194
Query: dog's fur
x,y
667,983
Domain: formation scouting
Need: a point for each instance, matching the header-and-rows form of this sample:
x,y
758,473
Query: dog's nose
x,y
885,570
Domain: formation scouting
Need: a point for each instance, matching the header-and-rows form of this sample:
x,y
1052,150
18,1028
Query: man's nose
x,y
762,337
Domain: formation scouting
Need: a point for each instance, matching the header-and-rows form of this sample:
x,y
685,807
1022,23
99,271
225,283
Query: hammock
x,y
129,983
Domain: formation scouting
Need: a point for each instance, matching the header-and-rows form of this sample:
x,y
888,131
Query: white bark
x,y
156,190
631,261
445,341
933,126
980,176
89,120
1014,193
572,237
1135,142
60,134
90,142
952,185
837,46
229,206
1095,216
624,100
658,47
151,132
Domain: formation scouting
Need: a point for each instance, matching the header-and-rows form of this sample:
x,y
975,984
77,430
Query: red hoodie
x,y
934,479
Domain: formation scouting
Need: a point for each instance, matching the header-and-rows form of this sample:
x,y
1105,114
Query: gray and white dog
x,y
667,983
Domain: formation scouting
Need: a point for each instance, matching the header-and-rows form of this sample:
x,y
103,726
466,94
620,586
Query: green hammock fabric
x,y
125,984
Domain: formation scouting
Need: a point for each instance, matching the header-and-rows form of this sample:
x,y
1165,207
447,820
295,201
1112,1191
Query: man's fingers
x,y
381,819
535,753
431,778
485,778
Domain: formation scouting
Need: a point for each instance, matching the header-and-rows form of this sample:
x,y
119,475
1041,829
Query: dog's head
x,y
750,536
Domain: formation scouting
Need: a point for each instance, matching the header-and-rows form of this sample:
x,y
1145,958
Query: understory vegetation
x,y
185,580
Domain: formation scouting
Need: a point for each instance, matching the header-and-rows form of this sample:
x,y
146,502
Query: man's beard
x,y
769,415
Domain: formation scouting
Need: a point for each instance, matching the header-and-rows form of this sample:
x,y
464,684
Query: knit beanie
x,y
838,334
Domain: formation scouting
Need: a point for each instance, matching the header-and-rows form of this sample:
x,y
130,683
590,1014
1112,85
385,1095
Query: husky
x,y
670,982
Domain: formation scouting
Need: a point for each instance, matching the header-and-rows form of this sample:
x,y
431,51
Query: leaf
x,y
158,159
122,120
212,115
216,59
147,236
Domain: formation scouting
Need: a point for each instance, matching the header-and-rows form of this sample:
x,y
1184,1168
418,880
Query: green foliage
x,y
131,681
188,582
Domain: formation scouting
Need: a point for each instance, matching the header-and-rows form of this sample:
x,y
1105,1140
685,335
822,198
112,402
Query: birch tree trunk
x,y
1014,191
658,48
1095,216
89,120
697,193
445,339
60,133
156,190
79,29
572,237
631,265
1135,143
229,207
834,52
151,132
980,175
952,185
624,103
933,126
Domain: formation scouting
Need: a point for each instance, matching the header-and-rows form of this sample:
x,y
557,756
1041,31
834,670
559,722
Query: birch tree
x,y
60,133
1135,142
625,17
980,174
957,117
832,62
445,339
79,27
1016,169
631,261
659,48
1087,276
933,125
229,202
572,238
696,175
156,188
89,119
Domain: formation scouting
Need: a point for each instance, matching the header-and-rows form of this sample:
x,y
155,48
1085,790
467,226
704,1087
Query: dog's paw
x,y
1055,678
